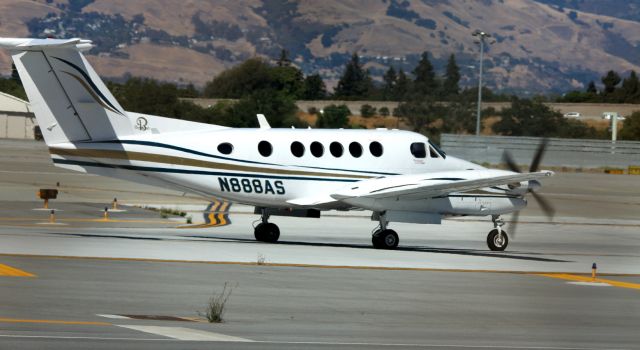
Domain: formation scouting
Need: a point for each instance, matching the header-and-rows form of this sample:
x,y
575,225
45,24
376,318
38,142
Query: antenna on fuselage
x,y
262,120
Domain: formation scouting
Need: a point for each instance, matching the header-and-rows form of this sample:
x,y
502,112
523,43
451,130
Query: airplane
x,y
400,176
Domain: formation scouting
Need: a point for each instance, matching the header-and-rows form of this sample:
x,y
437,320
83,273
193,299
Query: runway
x,y
138,280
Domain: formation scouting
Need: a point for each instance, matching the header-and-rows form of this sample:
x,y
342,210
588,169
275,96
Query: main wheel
x,y
267,232
385,239
497,242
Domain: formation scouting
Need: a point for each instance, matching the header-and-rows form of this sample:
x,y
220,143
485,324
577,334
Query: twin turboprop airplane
x,y
399,175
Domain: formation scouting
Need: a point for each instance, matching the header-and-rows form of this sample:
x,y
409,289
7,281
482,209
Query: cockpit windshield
x,y
440,151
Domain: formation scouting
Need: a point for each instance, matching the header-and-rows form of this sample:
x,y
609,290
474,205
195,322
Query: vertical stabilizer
x,y
70,101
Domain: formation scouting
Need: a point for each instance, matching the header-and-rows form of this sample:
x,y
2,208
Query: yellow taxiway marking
x,y
267,264
578,278
17,320
6,270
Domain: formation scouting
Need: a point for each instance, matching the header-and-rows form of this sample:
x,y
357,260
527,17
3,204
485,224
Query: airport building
x,y
17,121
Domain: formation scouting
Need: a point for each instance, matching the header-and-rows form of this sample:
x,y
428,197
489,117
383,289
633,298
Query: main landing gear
x,y
266,231
384,238
497,239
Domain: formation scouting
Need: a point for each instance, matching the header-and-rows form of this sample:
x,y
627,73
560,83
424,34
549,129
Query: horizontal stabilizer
x,y
28,44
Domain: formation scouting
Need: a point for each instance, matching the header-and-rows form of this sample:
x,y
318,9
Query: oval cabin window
x,y
317,149
297,149
375,148
355,149
265,149
336,149
225,148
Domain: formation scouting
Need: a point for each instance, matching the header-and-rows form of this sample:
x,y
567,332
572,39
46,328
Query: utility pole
x,y
482,36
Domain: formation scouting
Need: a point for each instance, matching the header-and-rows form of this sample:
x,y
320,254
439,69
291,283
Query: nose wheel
x,y
266,231
497,239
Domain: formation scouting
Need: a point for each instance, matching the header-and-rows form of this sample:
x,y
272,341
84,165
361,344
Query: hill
x,y
540,46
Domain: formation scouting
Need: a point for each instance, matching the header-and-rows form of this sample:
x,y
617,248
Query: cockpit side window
x,y
419,150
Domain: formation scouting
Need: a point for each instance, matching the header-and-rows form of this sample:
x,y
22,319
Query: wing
x,y
430,185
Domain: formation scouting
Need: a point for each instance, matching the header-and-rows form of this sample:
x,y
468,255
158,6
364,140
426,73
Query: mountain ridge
x,y
541,46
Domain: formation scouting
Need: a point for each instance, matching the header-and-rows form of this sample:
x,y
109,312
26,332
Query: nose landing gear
x,y
497,239
266,231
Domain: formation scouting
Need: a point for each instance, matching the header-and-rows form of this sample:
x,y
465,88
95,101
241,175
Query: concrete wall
x,y
16,126
560,152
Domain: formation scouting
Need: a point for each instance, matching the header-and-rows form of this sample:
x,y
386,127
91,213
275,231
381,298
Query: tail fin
x,y
70,101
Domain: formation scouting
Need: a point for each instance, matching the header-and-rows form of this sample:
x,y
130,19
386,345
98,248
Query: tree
x,y
355,82
610,81
284,60
252,74
424,83
630,88
631,127
334,117
314,88
14,74
403,85
419,113
451,78
390,79
591,88
533,118
367,110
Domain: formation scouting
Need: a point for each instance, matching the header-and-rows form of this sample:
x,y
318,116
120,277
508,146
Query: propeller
x,y
545,205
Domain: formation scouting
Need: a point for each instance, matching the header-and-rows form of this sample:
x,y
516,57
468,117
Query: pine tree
x,y
610,81
451,78
355,81
390,79
630,88
284,60
14,74
403,86
314,88
424,83
591,88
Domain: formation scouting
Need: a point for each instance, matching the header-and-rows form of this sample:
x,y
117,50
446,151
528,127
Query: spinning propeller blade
x,y
544,204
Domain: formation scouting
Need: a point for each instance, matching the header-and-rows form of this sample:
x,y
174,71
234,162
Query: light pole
x,y
482,36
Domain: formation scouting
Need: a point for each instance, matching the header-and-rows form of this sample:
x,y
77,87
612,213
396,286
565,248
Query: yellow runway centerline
x,y
578,278
17,320
6,270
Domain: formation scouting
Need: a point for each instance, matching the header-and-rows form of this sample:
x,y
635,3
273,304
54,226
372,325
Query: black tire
x,y
385,239
494,243
267,232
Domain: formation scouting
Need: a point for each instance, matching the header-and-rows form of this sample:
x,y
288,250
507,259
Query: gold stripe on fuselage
x,y
165,159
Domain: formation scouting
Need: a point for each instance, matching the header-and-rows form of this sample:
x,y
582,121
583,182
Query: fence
x,y
574,153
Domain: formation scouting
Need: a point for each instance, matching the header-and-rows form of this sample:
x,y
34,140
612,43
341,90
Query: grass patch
x,y
216,308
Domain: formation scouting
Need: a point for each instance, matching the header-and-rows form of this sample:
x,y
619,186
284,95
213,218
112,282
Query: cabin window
x,y
225,148
265,149
419,150
336,149
375,148
355,149
297,149
317,149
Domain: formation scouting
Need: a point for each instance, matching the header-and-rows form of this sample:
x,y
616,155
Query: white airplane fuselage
x,y
192,162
